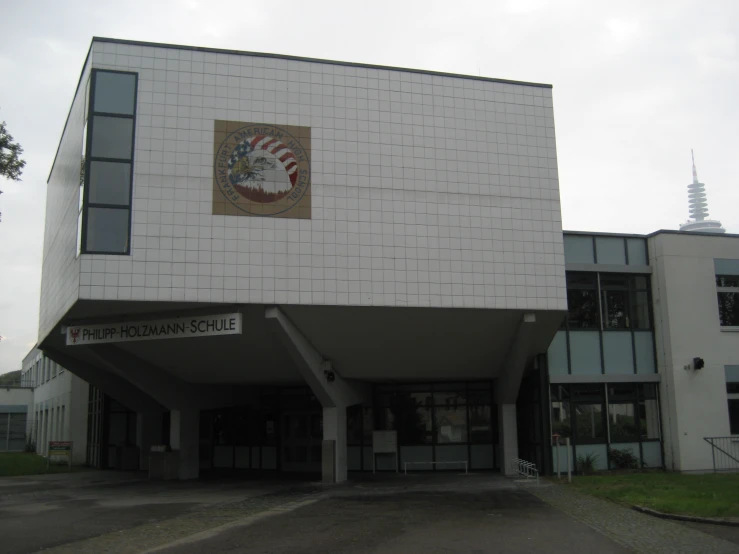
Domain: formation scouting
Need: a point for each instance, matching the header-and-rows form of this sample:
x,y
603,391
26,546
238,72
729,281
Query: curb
x,y
693,519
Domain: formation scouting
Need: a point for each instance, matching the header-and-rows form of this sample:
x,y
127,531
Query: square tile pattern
x,y
425,190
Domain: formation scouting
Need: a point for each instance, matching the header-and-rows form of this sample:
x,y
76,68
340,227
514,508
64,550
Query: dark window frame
x,y
727,284
86,204
631,289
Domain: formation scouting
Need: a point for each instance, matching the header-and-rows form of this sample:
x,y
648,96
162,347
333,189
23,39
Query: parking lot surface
x,y
112,512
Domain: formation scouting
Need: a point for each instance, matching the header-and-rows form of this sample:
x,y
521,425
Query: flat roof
x,y
658,232
314,60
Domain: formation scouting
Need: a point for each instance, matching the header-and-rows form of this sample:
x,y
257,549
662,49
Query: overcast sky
x,y
636,86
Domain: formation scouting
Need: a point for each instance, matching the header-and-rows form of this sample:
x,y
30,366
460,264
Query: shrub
x,y
586,464
623,459
30,445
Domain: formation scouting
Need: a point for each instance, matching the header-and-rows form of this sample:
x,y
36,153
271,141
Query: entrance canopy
x,y
374,344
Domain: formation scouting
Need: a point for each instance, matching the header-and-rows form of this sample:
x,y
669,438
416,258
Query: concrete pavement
x,y
384,514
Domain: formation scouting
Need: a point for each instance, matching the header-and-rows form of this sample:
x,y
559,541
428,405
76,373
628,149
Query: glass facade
x,y
617,424
608,328
436,422
454,422
605,249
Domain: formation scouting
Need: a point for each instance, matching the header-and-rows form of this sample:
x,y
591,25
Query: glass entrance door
x,y
302,433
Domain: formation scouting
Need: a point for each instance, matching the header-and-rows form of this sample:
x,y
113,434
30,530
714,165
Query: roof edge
x,y
650,235
314,60
69,113
691,234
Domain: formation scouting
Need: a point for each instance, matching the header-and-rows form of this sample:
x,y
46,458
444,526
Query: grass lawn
x,y
709,495
24,463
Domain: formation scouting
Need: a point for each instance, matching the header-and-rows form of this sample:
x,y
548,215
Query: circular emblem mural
x,y
262,169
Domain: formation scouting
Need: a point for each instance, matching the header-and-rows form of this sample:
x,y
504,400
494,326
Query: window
x,y
107,173
579,249
622,418
480,419
610,250
624,301
354,425
614,301
648,412
728,300
561,423
604,249
732,390
637,251
448,413
450,417
734,415
588,414
582,299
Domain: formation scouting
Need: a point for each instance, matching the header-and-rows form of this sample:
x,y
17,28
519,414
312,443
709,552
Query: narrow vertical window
x,y
727,287
107,177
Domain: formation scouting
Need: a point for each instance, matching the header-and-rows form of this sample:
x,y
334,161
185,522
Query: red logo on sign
x,y
75,333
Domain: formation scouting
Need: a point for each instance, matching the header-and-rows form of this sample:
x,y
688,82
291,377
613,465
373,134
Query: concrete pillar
x,y
508,433
334,429
148,433
333,391
184,437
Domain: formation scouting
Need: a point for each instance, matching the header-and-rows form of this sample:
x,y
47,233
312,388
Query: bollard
x,y
569,460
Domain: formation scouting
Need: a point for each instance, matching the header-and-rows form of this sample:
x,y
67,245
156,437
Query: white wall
x,y
14,400
694,403
60,268
15,396
426,190
58,408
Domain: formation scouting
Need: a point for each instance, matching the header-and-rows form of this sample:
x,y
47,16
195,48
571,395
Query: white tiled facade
x,y
427,190
61,266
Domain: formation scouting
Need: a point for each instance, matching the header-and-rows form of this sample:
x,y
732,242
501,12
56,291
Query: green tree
x,y
11,164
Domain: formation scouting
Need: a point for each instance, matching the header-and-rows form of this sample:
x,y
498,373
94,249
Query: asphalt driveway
x,y
109,512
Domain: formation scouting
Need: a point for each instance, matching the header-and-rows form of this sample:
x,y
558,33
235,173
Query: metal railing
x,y
724,452
527,469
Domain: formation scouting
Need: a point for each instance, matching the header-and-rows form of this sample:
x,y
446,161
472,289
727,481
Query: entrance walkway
x,y
418,513
385,513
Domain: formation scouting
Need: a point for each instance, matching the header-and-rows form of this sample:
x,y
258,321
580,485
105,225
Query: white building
x,y
644,313
419,242
59,405
696,305
261,260
16,403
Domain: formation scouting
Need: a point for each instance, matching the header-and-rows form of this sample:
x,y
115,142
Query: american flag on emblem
x,y
251,147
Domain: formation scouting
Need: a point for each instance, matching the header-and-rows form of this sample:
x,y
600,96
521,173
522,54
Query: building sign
x,y
182,327
261,169
59,449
